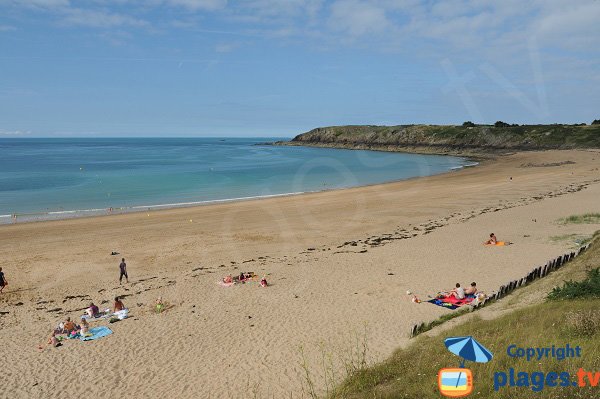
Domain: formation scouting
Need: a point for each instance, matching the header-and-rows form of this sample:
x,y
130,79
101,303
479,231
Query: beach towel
x,y
96,332
450,302
497,244
102,315
121,314
253,278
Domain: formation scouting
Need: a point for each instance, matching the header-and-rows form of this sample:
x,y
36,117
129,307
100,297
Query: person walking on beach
x,y
3,282
123,269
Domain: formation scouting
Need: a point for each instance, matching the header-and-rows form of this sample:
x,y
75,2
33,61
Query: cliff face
x,y
453,139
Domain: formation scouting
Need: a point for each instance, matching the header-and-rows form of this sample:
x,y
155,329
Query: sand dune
x,y
340,263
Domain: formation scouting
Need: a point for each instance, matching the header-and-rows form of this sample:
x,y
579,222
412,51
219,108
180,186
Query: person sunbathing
x,y
69,326
228,279
492,241
53,340
118,305
263,282
93,310
84,327
458,292
472,290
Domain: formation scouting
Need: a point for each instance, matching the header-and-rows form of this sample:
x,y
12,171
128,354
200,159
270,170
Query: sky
x,y
178,68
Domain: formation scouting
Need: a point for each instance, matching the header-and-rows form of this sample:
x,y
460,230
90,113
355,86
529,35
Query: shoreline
x,y
37,217
330,257
475,153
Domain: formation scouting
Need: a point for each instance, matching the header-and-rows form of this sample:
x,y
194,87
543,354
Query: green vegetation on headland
x,y
466,139
571,316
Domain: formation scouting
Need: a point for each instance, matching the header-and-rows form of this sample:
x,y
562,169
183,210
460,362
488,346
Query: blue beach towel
x,y
443,304
97,332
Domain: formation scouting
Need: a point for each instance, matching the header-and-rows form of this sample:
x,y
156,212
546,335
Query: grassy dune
x,y
412,372
586,218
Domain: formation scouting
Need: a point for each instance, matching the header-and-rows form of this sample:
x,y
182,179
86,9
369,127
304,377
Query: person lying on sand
x,y
244,276
228,279
53,340
492,241
472,290
93,310
263,282
118,305
458,292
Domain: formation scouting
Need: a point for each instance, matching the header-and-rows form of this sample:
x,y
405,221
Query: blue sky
x,y
282,67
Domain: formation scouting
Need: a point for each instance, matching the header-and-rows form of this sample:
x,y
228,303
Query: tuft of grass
x,y
582,323
576,240
442,319
352,360
586,218
588,288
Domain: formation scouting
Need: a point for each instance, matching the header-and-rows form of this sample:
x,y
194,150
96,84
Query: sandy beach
x,y
339,264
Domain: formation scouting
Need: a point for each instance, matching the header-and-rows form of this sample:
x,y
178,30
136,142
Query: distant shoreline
x,y
468,139
475,155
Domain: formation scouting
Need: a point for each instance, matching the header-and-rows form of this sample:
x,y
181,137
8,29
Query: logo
x,y
458,382
455,382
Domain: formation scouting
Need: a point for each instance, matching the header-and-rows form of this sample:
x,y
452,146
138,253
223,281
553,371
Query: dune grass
x,y
575,240
586,218
412,372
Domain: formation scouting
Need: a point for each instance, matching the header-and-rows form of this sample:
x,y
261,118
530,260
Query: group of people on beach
x,y
461,293
72,330
242,278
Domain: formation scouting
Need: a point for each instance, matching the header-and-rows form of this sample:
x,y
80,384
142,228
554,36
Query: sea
x,y
57,178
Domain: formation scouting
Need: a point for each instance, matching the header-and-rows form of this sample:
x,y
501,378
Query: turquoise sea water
x,y
57,178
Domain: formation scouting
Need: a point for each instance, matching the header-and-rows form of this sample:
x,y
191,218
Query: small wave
x,y
467,165
53,215
183,204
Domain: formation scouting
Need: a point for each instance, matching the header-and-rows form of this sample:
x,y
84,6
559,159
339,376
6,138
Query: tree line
x,y
504,124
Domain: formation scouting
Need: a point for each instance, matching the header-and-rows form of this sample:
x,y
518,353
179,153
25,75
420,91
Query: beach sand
x,y
339,264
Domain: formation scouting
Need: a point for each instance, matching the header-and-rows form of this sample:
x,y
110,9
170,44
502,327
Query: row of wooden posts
x,y
538,272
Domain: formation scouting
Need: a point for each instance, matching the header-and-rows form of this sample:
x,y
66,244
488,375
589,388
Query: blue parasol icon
x,y
469,349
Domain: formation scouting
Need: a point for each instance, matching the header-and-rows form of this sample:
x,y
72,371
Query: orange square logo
x,y
455,382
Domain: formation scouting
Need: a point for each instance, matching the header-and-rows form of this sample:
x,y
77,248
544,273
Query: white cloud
x,y
283,8
196,5
226,47
99,19
573,27
37,3
14,133
357,18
